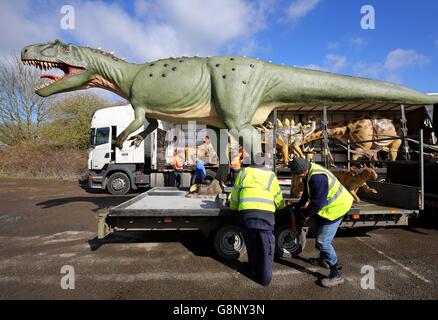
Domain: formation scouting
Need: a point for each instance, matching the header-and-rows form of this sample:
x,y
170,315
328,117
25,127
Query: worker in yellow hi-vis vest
x,y
256,195
328,201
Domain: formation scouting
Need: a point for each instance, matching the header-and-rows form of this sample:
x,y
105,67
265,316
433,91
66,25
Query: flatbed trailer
x,y
168,208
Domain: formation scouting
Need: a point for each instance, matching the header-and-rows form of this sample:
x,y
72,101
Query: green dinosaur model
x,y
223,92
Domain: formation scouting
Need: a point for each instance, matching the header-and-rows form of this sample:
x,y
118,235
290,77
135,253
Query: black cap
x,y
298,165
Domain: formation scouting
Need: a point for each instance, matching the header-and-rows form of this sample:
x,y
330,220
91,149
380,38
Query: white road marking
x,y
415,274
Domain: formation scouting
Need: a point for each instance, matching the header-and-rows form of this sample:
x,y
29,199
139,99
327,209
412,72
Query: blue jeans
x,y
324,238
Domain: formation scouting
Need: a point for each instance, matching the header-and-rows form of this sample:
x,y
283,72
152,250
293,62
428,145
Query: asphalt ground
x,y
45,225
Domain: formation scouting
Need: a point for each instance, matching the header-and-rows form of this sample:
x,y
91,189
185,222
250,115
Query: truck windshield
x,y
99,136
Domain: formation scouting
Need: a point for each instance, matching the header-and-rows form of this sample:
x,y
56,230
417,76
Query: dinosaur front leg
x,y
393,149
284,149
138,139
298,150
140,117
353,193
368,189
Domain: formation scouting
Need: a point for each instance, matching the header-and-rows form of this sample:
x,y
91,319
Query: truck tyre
x,y
229,243
118,183
289,244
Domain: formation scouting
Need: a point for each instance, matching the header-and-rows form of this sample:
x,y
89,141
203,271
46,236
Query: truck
x,y
169,208
147,166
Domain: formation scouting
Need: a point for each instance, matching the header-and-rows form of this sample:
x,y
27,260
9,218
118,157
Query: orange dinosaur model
x,y
363,129
350,179
353,180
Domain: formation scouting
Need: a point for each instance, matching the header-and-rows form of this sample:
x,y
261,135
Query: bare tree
x,y
22,112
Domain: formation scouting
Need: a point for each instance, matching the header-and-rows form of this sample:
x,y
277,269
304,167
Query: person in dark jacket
x,y
325,199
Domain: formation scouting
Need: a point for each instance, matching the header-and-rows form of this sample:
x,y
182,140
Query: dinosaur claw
x,y
119,144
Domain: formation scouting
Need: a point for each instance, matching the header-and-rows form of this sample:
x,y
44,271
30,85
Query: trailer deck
x,y
170,208
169,201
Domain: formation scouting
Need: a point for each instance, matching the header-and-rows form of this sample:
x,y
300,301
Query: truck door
x,y
101,148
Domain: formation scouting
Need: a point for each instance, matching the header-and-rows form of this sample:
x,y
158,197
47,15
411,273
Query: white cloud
x,y
156,29
402,58
300,8
359,42
335,62
332,45
363,69
332,63
314,67
395,63
163,28
19,30
436,42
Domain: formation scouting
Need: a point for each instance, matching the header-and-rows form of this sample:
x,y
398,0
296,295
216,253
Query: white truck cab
x,y
120,171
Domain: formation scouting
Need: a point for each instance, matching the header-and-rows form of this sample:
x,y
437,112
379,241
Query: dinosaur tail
x,y
324,88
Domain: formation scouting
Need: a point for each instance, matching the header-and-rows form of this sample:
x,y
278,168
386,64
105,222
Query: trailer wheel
x,y
289,244
118,183
228,243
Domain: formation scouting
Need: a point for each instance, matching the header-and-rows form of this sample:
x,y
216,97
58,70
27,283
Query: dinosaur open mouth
x,y
68,70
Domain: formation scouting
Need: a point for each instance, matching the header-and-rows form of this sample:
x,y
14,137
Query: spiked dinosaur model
x,y
289,137
235,93
363,129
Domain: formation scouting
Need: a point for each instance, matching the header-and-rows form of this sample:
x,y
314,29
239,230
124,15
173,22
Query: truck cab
x,y
113,169
119,171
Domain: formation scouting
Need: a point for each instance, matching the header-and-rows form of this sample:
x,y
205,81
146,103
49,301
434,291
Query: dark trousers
x,y
233,174
178,176
260,247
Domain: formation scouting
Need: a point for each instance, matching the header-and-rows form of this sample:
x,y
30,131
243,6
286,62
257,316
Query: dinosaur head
x,y
57,55
369,173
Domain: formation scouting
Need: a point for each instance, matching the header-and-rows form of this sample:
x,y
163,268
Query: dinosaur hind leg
x,y
251,142
221,149
393,149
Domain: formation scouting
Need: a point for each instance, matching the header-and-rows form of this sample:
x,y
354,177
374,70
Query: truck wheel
x,y
118,183
228,243
289,244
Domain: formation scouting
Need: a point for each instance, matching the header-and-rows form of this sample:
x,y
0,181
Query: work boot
x,y
319,262
334,279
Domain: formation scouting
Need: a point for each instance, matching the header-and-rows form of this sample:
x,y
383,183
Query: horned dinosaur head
x,y
74,61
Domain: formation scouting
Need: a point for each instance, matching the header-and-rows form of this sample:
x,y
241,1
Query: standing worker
x,y
206,152
256,195
177,168
325,198
236,163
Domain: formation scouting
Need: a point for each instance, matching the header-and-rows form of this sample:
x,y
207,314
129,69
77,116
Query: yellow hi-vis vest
x,y
339,200
258,189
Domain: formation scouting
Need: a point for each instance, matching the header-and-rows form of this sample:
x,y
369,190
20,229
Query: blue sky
x,y
319,34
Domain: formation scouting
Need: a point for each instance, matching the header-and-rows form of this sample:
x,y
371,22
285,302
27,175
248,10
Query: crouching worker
x,y
328,201
256,195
